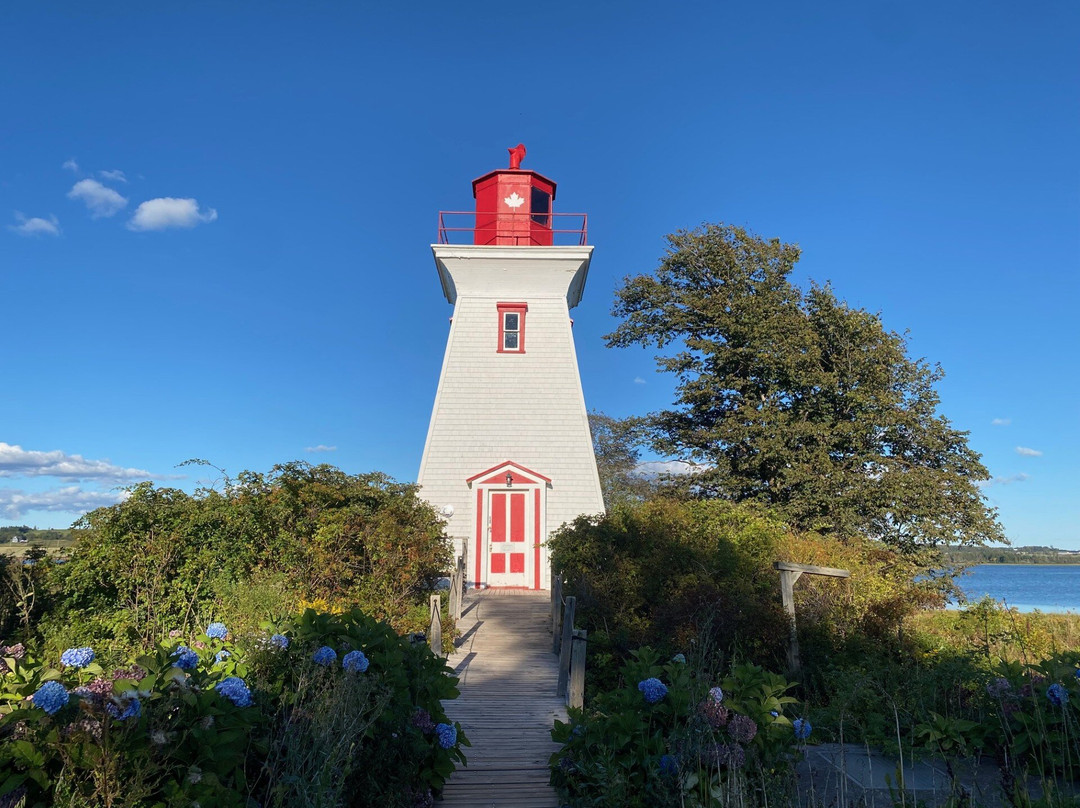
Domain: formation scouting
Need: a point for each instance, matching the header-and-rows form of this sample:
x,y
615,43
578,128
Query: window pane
x,y
541,205
510,321
510,340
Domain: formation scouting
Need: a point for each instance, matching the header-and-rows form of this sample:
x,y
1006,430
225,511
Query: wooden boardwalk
x,y
508,704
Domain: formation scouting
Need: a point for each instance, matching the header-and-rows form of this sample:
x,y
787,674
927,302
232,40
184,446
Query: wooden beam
x,y
813,569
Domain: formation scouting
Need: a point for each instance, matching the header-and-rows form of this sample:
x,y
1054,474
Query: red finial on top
x,y
517,154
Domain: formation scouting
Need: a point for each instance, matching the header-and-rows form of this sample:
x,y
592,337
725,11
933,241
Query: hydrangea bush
x,y
1037,712
216,720
670,736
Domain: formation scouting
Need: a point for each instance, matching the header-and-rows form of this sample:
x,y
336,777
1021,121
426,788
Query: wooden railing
x,y
570,644
457,594
457,589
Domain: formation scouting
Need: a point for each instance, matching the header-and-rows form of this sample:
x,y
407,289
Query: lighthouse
x,y
508,457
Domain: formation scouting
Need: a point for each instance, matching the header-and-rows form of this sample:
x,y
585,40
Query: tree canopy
x,y
616,445
797,400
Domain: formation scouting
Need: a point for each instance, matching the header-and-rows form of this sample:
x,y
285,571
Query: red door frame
x,y
520,478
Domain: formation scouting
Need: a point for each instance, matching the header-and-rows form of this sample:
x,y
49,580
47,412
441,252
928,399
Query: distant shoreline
x,y
1031,555
1021,564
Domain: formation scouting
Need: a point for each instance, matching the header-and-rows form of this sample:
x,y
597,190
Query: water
x,y
1046,587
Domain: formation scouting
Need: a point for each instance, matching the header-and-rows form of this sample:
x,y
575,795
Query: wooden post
x,y
435,626
567,645
576,697
789,574
556,614
457,582
552,595
787,595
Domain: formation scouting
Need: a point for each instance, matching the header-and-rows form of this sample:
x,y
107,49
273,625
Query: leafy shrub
x,y
220,721
663,571
669,736
164,559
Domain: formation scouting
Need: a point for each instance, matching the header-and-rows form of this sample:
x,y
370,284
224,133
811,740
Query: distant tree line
x,y
1035,554
31,535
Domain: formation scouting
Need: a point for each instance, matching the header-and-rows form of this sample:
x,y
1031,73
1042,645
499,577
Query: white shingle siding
x,y
526,407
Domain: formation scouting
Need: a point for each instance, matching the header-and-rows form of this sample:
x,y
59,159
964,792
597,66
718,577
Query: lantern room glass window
x,y
541,207
512,327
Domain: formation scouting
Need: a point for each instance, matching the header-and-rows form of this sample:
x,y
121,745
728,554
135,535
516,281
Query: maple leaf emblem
x,y
514,201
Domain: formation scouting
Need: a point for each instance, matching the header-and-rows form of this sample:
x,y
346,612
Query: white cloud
x,y
1015,478
71,165
18,462
100,201
116,175
638,380
320,448
14,504
1001,421
166,212
35,226
1026,452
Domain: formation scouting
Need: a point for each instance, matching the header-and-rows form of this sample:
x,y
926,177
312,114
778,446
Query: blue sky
x,y
215,218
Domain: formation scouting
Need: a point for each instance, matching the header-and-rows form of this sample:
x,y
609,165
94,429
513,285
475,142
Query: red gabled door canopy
x,y
519,475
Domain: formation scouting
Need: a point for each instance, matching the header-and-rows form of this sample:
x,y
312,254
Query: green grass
x,y
53,545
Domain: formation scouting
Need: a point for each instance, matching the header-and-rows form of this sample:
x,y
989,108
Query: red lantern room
x,y
513,206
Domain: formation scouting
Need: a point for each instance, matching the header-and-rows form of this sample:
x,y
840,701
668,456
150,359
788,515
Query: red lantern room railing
x,y
514,207
460,227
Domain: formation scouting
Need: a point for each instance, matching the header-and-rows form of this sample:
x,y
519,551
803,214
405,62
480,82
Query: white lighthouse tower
x,y
509,456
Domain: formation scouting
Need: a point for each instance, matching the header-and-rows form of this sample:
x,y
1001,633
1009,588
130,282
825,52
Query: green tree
x,y
616,444
797,400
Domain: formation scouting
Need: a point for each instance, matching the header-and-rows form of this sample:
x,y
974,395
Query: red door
x,y
508,547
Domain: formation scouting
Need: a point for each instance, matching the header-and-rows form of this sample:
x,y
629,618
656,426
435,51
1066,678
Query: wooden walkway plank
x,y
508,704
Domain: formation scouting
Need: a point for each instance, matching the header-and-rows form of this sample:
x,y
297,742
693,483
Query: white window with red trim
x,y
512,327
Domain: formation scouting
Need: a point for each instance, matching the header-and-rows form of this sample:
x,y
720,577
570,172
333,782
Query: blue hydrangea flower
x,y
1057,694
355,661
716,694
221,655
653,689
50,697
77,657
668,765
235,690
132,709
280,641
679,658
325,656
802,729
447,735
216,631
186,659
